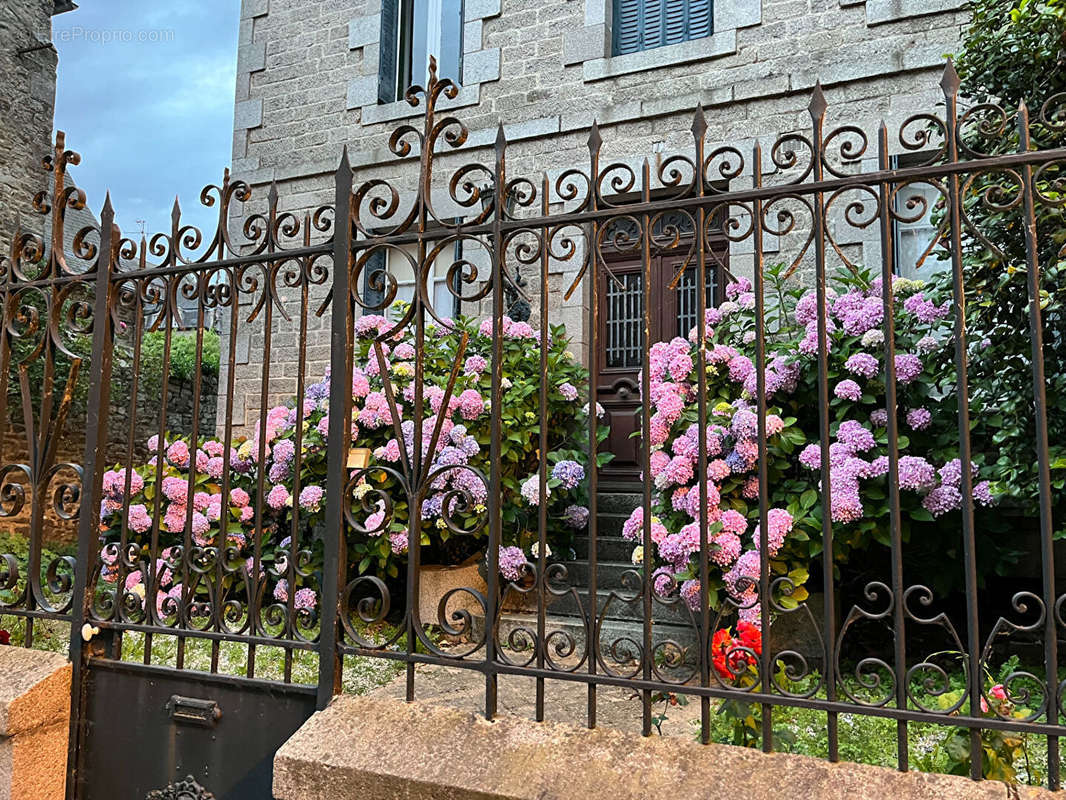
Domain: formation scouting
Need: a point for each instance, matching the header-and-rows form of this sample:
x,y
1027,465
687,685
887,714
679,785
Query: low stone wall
x,y
34,724
363,748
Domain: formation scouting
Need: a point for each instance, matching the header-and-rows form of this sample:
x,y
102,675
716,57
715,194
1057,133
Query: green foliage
x,y
1003,752
1015,51
183,359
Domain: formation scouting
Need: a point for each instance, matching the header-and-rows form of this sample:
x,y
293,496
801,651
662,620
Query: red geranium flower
x,y
732,655
5,637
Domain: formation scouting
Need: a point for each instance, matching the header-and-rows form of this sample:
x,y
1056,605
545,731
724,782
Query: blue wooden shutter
x,y
628,16
700,19
675,21
646,24
451,40
388,50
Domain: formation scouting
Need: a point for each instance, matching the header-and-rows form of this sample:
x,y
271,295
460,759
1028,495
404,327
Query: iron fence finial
x,y
950,81
595,140
699,122
818,103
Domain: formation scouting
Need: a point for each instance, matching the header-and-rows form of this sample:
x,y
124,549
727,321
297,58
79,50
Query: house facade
x,y
314,77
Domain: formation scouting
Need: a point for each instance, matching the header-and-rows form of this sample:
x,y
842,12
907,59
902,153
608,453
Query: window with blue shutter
x,y
646,24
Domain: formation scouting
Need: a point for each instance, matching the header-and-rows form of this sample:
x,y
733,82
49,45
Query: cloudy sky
x,y
145,94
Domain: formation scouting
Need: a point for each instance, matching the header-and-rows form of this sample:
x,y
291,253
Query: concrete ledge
x,y
362,748
34,724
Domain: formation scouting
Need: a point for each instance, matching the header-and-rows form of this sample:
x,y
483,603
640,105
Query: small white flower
x,y
534,549
638,555
873,338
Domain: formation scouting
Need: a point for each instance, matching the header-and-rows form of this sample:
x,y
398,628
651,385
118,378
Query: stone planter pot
x,y
436,581
512,600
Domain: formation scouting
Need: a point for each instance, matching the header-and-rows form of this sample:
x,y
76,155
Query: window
x,y
444,302
411,32
688,298
646,24
915,256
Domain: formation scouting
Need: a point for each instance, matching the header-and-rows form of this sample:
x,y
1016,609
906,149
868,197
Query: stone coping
x,y
34,689
370,748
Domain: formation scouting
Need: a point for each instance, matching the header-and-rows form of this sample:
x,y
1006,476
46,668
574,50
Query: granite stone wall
x,y
27,104
306,72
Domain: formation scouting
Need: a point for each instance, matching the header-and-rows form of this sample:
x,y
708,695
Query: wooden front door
x,y
621,352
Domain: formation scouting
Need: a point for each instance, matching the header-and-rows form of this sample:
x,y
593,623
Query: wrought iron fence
x,y
226,546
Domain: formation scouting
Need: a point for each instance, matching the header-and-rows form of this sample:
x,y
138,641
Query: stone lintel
x,y
365,748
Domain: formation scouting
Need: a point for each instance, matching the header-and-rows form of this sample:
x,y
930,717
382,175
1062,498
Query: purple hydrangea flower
x,y
862,364
848,390
568,473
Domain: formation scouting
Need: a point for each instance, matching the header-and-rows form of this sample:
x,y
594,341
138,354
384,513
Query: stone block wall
x,y
60,534
545,72
27,105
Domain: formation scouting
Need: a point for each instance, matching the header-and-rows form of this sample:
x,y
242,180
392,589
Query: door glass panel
x,y
624,319
687,307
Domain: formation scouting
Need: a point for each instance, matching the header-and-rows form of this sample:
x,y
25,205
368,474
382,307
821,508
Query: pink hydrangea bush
x,y
726,499
929,471
454,512
177,495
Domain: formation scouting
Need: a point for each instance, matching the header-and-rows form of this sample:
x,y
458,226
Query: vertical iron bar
x,y
298,460
495,433
899,657
98,404
699,129
950,84
542,465
227,424
645,438
1047,547
817,109
765,600
592,638
340,404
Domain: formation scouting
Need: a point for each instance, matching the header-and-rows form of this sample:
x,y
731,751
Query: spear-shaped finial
x,y
818,104
501,139
595,140
699,123
949,81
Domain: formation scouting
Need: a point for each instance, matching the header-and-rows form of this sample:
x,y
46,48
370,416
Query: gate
x,y
253,508
190,657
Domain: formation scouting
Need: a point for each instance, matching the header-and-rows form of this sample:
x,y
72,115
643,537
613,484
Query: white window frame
x,y
591,45
479,64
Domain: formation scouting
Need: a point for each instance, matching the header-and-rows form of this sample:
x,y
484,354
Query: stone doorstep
x,y
364,748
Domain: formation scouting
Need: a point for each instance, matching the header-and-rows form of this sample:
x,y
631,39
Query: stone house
x,y
313,77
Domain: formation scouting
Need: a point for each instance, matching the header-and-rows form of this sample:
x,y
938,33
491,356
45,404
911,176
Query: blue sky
x,y
145,94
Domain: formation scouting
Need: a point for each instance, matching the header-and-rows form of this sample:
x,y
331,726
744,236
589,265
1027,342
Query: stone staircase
x,y
623,620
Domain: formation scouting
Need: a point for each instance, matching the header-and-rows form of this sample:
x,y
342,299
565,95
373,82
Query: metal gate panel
x,y
150,728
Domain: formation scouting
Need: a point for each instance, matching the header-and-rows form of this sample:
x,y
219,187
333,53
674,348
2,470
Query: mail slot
x,y
193,711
